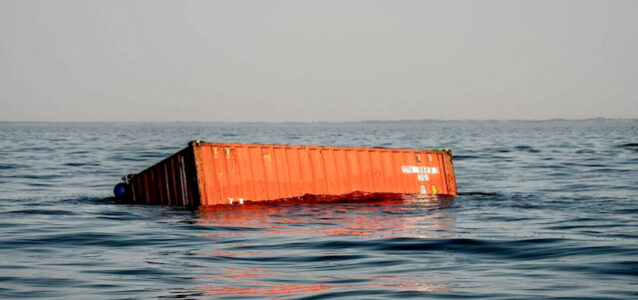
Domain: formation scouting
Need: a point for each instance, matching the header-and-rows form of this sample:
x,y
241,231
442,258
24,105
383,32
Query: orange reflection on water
x,y
247,241
384,218
406,283
272,289
249,281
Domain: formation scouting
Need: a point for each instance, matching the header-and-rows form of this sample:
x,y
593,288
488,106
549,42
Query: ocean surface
x,y
546,210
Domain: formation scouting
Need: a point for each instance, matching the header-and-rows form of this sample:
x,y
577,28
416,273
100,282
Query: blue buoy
x,y
120,190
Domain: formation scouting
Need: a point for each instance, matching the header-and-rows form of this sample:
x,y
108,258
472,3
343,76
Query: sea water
x,y
546,210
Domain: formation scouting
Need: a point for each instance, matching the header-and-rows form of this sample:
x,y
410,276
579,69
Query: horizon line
x,y
326,122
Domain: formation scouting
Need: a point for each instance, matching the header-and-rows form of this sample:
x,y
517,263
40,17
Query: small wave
x,y
528,249
585,151
465,157
51,212
526,148
11,166
483,194
88,238
81,164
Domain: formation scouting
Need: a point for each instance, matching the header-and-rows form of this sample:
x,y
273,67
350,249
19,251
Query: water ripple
x,y
545,210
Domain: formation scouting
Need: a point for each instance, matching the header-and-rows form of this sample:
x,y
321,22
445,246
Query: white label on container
x,y
423,177
416,169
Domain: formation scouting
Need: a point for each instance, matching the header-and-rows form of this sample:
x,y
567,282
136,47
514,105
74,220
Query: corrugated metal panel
x,y
230,172
172,181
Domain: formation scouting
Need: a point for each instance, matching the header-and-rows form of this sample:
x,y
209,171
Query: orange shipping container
x,y
217,173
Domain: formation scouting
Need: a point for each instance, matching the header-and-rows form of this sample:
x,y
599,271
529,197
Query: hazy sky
x,y
317,60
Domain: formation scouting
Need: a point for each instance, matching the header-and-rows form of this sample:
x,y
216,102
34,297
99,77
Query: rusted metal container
x,y
217,173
